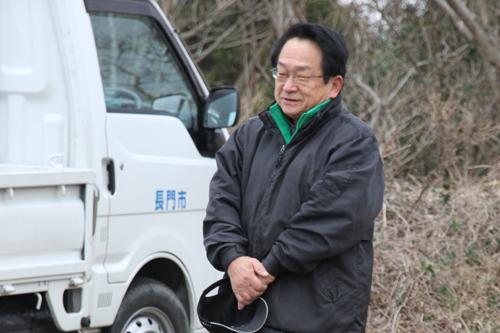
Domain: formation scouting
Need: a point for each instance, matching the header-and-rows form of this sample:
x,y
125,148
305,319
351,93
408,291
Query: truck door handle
x,y
110,167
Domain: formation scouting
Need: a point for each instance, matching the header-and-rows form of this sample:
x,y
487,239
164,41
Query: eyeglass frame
x,y
274,72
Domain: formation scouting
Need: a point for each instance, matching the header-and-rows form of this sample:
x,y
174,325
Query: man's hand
x,y
249,279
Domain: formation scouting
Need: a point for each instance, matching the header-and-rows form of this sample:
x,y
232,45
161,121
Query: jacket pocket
x,y
336,179
339,275
325,274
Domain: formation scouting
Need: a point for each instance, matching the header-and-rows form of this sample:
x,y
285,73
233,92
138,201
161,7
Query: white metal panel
x,y
135,237
153,135
87,110
23,51
52,110
52,116
42,231
86,105
162,186
156,153
42,267
42,220
33,104
63,320
13,176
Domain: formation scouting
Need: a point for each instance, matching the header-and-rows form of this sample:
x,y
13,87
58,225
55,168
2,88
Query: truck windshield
x,y
139,71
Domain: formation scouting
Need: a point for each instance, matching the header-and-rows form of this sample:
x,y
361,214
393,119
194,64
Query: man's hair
x,y
331,43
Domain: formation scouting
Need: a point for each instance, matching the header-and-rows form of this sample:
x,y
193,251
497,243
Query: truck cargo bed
x,y
42,221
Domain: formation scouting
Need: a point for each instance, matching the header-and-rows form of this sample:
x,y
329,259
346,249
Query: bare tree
x,y
486,43
415,79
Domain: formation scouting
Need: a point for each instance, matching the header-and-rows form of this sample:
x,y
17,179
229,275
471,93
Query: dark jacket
x,y
306,210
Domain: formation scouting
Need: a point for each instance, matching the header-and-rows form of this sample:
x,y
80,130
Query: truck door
x,y
158,179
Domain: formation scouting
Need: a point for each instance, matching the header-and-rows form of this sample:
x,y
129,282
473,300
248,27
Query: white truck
x,y
107,138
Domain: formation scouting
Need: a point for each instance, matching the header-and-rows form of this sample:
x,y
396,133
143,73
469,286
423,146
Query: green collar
x,y
281,119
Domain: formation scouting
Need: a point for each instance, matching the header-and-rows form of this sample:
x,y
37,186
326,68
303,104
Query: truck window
x,y
140,73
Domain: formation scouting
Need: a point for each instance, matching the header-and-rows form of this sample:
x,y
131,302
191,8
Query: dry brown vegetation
x,y
425,74
437,258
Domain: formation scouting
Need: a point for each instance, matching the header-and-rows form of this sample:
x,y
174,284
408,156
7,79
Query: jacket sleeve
x,y
224,239
339,211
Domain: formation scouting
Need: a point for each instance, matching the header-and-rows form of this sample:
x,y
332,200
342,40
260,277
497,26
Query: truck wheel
x,y
150,306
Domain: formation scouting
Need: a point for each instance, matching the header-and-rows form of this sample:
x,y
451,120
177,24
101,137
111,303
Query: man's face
x,y
303,57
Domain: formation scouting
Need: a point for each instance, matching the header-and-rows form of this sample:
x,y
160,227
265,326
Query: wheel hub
x,y
149,320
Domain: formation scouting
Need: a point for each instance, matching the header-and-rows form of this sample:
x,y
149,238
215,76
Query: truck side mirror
x,y
222,108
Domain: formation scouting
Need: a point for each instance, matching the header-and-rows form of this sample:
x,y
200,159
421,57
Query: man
x,y
293,202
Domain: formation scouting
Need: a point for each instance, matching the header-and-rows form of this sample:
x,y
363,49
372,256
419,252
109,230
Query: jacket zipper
x,y
280,156
259,236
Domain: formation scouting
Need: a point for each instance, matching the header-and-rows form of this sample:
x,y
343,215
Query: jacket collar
x,y
329,111
288,131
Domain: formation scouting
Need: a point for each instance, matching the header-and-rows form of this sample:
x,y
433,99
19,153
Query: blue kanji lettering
x,y
182,200
171,197
159,200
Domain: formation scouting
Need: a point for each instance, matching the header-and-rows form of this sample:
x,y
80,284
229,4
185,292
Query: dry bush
x,y
424,89
437,258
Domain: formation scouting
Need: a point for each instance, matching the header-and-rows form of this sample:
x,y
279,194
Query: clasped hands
x,y
249,279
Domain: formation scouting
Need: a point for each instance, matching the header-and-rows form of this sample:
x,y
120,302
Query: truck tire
x,y
150,306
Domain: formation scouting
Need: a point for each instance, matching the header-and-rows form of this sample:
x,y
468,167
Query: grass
x,y
437,259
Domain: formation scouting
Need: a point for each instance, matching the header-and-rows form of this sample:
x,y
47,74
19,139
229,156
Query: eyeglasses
x,y
282,76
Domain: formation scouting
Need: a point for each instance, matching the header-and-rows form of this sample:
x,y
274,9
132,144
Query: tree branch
x,y
459,24
201,55
481,39
210,19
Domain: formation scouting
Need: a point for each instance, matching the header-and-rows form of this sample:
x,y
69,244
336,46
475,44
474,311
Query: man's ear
x,y
337,83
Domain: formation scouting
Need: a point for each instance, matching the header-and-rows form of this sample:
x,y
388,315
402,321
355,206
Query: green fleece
x,y
280,119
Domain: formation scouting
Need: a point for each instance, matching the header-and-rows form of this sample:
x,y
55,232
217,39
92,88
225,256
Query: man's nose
x,y
290,84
